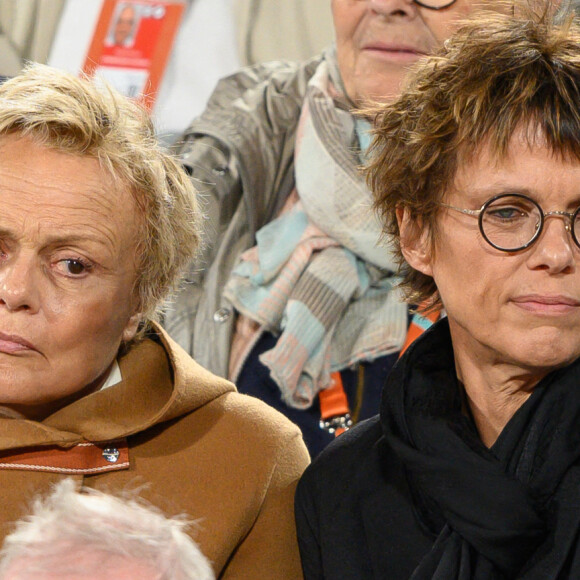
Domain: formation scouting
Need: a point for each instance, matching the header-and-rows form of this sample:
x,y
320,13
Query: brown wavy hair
x,y
498,73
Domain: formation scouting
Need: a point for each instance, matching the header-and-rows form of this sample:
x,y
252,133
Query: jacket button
x,y
111,454
222,314
220,170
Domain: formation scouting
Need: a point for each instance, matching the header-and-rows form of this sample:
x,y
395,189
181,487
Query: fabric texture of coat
x,y
240,153
187,442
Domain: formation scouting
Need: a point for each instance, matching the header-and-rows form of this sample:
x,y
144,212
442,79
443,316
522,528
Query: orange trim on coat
x,y
83,458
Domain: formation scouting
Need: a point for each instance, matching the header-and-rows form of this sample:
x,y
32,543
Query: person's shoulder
x,y
256,92
250,426
204,408
350,447
230,432
254,415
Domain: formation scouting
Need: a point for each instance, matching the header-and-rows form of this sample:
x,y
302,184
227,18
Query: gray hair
x,y
65,113
68,526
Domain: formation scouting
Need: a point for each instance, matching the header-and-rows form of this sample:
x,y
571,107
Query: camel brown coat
x,y
188,442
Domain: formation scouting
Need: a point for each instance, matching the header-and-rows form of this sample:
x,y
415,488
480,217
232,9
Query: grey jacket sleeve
x,y
216,177
240,155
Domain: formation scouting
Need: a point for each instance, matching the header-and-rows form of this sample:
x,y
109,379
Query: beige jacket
x,y
188,442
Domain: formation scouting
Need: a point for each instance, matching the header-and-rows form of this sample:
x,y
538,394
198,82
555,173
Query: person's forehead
x,y
94,566
53,193
528,165
38,167
127,12
501,147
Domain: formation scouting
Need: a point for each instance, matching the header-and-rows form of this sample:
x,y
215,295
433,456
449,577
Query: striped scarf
x,y
317,276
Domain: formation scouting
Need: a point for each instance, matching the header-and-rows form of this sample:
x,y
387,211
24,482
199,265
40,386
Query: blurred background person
x,y
292,298
471,469
215,38
73,535
98,222
125,25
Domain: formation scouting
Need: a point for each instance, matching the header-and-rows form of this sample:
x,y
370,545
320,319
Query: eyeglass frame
x,y
450,3
543,215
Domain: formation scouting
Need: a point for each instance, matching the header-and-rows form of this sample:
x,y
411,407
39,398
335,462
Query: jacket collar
x,y
160,382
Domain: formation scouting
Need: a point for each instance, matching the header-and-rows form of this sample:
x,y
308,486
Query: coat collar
x,y
160,382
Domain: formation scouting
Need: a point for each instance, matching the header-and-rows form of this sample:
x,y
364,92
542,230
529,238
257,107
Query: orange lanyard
x,y
334,410
417,327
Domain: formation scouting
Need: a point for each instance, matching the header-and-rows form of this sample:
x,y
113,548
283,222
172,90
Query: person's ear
x,y
131,328
415,242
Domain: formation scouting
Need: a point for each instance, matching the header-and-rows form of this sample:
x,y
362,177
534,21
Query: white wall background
x,y
282,29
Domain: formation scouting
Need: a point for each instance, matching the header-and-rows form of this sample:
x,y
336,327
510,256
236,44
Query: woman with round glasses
x,y
472,469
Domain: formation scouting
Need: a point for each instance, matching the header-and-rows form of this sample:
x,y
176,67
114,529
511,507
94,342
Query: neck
x,y
493,399
495,388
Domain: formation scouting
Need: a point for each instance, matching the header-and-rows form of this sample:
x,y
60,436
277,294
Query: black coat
x,y
416,493
355,515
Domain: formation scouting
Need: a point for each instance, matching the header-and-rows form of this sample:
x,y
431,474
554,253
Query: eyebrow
x,y
498,188
487,191
60,239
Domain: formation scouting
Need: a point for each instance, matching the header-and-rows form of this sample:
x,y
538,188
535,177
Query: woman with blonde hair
x,y
96,224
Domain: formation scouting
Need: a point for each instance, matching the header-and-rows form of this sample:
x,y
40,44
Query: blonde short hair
x,y
65,113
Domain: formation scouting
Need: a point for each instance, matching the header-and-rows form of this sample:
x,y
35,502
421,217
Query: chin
x,y
383,88
545,344
374,95
548,355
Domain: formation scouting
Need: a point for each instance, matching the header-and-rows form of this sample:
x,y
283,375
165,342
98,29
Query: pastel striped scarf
x,y
318,277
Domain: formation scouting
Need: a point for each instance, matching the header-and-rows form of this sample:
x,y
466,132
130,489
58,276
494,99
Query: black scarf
x,y
512,511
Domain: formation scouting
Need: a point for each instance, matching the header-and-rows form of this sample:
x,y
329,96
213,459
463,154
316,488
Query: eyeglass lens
x,y
513,222
434,4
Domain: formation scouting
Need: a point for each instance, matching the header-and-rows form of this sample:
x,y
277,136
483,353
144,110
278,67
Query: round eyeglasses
x,y
511,221
435,4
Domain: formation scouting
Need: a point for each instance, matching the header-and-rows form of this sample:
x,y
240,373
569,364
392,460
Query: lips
x,y
393,47
393,51
547,304
12,344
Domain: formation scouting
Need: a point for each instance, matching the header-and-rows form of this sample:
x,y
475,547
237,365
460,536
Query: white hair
x,y
81,532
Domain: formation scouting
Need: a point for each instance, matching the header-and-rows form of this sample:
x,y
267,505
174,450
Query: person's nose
x,y
18,288
555,251
393,7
